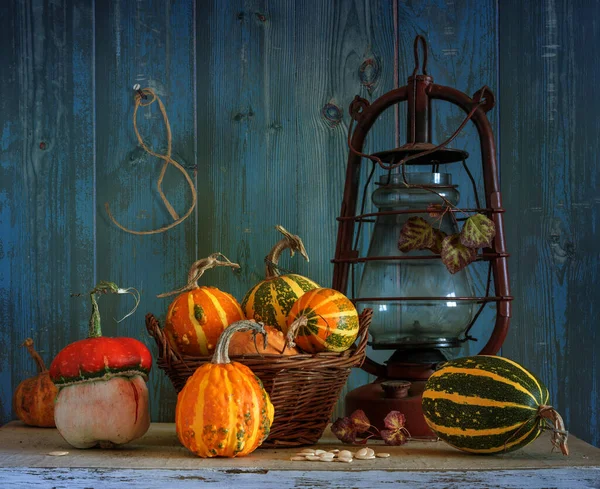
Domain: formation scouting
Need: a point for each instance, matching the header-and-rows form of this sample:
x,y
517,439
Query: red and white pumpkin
x,y
102,398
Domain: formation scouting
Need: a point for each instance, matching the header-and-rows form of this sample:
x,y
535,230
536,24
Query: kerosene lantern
x,y
421,310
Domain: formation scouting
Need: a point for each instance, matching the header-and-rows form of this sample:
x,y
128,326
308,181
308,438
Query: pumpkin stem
x,y
95,331
221,354
557,425
41,366
289,241
197,270
292,332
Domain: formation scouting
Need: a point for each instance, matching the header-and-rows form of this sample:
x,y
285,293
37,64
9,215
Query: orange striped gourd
x,y
488,404
270,300
223,409
323,320
198,315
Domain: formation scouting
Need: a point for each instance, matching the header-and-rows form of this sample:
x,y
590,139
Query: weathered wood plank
x,y
276,155
23,446
354,56
47,165
274,479
10,156
550,183
151,43
246,99
462,54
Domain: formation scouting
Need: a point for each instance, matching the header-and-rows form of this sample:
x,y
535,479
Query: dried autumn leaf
x,y
394,420
455,255
394,437
360,421
438,238
396,434
478,232
344,430
416,234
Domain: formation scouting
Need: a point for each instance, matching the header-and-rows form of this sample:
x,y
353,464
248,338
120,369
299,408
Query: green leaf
x,y
478,232
455,255
416,234
438,238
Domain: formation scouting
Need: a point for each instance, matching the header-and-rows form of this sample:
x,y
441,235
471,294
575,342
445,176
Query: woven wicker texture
x,y
303,388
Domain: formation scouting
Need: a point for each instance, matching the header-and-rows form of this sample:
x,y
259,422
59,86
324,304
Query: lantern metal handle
x,y
345,253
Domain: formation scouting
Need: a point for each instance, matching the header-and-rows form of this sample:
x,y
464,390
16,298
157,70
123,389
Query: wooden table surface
x,y
159,461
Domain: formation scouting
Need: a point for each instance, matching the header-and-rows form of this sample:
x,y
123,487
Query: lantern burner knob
x,y
395,389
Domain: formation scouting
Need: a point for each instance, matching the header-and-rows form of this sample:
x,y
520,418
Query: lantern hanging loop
x,y
423,42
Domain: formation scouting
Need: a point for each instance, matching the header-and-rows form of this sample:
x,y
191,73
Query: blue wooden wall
x,y
257,95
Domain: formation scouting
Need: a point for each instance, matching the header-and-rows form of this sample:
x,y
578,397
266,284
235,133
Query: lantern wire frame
x,y
356,109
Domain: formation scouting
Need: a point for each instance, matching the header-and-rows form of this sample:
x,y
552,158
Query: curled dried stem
x,y
197,270
289,241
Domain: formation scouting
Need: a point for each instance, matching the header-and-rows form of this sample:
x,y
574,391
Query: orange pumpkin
x,y
247,343
223,409
197,317
323,320
33,400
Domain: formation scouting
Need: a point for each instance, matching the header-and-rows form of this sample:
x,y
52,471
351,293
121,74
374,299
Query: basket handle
x,y
164,347
364,319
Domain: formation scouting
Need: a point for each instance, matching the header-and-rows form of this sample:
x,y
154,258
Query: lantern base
x,y
374,401
401,389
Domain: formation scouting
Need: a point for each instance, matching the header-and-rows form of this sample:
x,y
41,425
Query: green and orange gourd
x,y
223,409
322,319
198,315
270,300
488,404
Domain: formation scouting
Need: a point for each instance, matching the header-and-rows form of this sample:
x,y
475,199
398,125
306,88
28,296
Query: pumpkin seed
x,y
346,460
365,457
363,452
298,459
345,454
58,454
383,455
313,458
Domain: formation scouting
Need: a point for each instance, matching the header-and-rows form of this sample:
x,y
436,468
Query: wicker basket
x,y
303,388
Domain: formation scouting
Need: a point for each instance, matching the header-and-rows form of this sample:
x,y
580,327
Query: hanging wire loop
x,y
423,42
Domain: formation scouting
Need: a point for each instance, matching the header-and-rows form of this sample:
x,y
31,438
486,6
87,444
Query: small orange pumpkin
x,y
248,343
198,315
323,320
223,409
33,400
